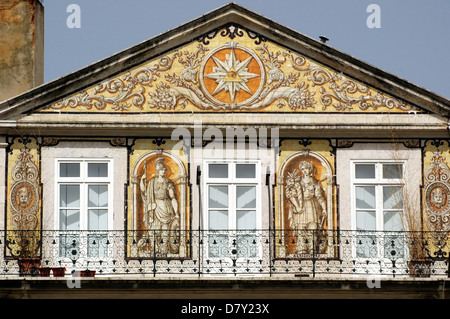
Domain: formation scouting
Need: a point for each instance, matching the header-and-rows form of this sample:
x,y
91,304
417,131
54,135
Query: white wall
x,y
375,151
76,149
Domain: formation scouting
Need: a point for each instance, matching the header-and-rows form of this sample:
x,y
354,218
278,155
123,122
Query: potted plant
x,y
59,271
45,271
87,273
29,266
25,246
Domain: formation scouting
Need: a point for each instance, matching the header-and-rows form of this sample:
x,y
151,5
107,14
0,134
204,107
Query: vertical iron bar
x,y
448,266
270,251
200,258
269,209
314,252
200,205
154,253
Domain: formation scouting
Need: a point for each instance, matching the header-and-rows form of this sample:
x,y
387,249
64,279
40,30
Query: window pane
x,y
365,197
218,219
392,171
393,221
246,219
98,219
245,196
218,170
245,170
392,197
69,195
69,169
365,170
69,219
365,220
218,196
97,169
98,196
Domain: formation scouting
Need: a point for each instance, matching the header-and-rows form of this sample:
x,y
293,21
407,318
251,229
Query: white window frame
x,y
232,210
84,181
379,182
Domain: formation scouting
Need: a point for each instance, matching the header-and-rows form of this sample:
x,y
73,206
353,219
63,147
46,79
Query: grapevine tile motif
x,y
240,71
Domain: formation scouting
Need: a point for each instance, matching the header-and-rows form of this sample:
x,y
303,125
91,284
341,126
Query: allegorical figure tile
x,y
161,212
307,203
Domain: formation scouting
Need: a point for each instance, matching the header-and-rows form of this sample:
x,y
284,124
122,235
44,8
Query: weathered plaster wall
x,y
21,46
88,149
376,152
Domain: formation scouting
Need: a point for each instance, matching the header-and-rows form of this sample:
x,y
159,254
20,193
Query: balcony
x,y
224,254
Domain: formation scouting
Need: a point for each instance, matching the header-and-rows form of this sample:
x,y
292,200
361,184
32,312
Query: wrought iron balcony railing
x,y
275,253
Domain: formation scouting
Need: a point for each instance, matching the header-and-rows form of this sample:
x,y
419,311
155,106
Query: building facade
x,y
230,147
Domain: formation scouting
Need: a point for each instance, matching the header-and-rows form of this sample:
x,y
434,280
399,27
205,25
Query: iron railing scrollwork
x,y
222,253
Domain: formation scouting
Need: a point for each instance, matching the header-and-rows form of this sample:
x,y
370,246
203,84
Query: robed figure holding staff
x,y
161,215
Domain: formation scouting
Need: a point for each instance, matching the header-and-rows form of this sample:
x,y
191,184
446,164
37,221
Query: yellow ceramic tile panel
x,y
436,206
158,208
23,213
305,198
230,71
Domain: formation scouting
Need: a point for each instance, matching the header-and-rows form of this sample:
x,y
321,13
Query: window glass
x,y
218,196
392,221
218,170
366,220
98,219
83,205
232,208
365,197
392,171
69,169
379,207
69,219
392,197
245,196
97,169
246,219
218,219
69,195
245,170
98,195
365,170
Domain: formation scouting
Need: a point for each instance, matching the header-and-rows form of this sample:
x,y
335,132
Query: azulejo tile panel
x,y
158,215
23,216
230,69
305,199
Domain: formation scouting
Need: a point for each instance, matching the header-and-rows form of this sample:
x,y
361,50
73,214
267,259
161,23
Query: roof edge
x,y
132,56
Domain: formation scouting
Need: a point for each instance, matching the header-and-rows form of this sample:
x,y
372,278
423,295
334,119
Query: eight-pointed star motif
x,y
231,75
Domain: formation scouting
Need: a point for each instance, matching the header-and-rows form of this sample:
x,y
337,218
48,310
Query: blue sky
x,y
413,41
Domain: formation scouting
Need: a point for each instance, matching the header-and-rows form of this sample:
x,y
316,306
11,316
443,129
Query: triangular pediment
x,y
230,69
230,60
